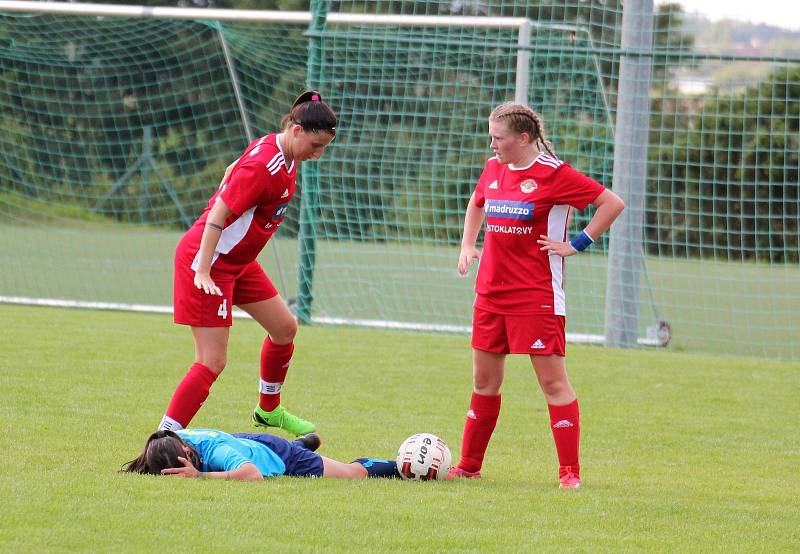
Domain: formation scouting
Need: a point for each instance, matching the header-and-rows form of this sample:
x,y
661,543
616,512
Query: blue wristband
x,y
581,242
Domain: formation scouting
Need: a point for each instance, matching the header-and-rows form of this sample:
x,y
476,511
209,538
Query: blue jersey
x,y
219,451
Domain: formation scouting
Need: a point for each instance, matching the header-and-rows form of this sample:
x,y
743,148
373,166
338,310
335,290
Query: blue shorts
x,y
299,460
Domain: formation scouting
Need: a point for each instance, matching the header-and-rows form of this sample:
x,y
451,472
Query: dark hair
x,y
312,113
161,451
522,119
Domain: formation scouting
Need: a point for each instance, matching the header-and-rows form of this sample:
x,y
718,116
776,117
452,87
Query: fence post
x,y
523,63
310,175
625,255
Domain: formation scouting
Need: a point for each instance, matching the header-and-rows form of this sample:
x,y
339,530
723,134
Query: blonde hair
x,y
521,119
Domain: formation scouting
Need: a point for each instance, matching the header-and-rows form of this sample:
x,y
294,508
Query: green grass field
x,y
714,307
680,452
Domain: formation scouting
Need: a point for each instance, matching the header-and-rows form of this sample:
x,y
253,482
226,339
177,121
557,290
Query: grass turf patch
x,y
679,452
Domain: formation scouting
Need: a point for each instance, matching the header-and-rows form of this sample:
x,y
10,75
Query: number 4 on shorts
x,y
223,309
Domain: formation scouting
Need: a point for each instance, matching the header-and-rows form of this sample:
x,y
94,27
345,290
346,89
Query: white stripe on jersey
x,y
549,160
230,236
275,157
556,229
275,165
235,232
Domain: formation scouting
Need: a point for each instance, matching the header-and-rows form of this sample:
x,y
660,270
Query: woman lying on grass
x,y
213,454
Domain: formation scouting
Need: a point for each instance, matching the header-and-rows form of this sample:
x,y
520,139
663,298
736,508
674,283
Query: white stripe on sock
x,y
169,424
270,388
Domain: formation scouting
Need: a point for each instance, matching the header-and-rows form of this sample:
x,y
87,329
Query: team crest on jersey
x,y
528,185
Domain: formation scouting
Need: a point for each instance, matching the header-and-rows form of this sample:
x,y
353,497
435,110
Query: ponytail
x,y
311,112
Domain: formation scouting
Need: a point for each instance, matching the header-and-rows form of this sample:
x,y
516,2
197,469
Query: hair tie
x,y
315,97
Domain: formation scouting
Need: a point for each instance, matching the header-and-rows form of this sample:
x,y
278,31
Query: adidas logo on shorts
x,y
538,345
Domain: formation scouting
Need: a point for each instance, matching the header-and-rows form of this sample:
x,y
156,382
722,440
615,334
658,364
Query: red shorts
x,y
538,335
194,307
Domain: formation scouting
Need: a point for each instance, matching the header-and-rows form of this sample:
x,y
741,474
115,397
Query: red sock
x,y
192,391
275,360
565,423
478,428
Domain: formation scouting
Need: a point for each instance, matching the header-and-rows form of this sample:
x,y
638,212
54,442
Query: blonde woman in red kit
x,y
525,194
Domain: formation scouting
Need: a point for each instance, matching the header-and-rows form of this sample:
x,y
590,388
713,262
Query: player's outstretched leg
x,y
282,419
360,468
378,467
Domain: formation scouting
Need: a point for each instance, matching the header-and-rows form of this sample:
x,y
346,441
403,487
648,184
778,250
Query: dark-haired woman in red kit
x,y
216,267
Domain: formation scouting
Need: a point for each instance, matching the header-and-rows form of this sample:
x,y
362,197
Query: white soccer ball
x,y
423,457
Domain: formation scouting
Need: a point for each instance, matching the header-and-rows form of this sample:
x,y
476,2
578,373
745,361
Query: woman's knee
x,y
283,333
555,387
487,373
215,362
487,384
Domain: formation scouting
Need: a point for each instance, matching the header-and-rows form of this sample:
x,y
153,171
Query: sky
x,y
781,13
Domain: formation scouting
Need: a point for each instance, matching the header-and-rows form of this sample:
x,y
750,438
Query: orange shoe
x,y
568,478
456,472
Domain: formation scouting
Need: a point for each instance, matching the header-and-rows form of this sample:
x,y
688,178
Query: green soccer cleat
x,y
279,417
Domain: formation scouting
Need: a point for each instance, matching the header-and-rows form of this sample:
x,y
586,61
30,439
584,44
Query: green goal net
x,y
116,129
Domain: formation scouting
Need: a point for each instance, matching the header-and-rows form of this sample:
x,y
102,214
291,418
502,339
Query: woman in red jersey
x,y
525,193
216,267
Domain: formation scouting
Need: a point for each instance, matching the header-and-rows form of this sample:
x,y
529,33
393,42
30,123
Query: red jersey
x,y
258,191
514,276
